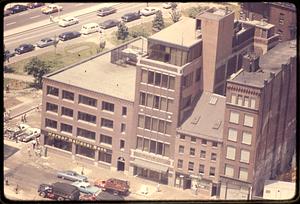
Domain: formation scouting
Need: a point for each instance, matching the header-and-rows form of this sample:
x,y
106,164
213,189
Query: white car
x,y
149,11
29,134
68,21
51,8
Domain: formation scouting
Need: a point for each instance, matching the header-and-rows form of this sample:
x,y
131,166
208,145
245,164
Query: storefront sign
x,y
151,158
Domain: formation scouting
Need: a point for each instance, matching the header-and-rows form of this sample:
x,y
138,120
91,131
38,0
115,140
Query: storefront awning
x,y
150,165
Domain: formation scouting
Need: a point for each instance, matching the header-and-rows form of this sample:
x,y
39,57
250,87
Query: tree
x,y
122,32
158,22
37,68
175,15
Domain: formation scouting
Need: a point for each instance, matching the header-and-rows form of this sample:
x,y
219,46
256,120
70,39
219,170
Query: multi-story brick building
x,y
259,128
280,14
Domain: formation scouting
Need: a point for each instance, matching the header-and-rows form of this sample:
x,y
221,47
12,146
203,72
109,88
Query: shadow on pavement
x,y
9,151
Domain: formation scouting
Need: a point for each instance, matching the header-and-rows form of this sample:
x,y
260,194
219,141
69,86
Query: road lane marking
x,y
23,13
35,16
10,23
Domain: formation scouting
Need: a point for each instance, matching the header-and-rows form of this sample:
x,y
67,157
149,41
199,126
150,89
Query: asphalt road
x,y
8,151
35,15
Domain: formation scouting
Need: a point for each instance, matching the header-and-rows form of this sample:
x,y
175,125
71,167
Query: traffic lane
x,y
32,37
35,15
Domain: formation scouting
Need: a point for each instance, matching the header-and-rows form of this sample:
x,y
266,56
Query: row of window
x,y
154,101
189,78
212,170
231,154
235,116
158,79
242,101
194,140
154,124
153,146
192,152
243,172
82,100
246,136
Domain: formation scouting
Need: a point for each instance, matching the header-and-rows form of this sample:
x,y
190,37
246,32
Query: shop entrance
x,y
187,183
121,164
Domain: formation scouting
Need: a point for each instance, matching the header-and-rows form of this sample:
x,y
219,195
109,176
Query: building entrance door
x,y
187,184
214,190
121,164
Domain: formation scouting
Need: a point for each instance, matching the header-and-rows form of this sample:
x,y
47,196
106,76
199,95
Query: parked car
x,y
109,23
86,187
8,54
24,48
12,132
35,5
69,35
116,186
106,11
68,21
59,191
88,197
18,8
169,5
108,196
71,175
131,16
148,11
44,42
7,12
51,8
29,134
90,28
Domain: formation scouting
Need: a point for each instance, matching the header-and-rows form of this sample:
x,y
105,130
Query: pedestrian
x,y
82,171
157,188
29,151
22,119
16,139
7,88
25,119
17,189
51,18
6,181
33,144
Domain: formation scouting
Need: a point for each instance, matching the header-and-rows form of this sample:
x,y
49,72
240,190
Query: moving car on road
x,y
51,8
29,134
24,48
69,35
71,175
18,8
90,28
68,21
148,11
106,11
116,186
59,191
44,42
109,23
131,16
86,187
35,5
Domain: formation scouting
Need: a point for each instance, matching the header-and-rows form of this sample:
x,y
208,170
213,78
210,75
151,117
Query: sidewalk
x,y
26,78
48,22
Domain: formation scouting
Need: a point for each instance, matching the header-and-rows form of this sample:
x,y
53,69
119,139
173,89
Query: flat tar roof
x,y
181,33
101,76
206,121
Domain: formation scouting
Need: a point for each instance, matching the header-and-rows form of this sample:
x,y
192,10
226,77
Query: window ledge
x,y
107,128
88,106
88,123
51,112
107,111
68,100
105,144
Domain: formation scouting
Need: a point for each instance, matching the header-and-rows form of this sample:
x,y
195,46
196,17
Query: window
x,y
68,95
213,157
170,102
245,156
51,107
181,149
171,82
105,157
229,171
146,144
124,111
240,100
193,139
86,133
182,137
212,171
164,81
187,80
204,142
154,124
139,143
159,149
179,163
186,102
246,138
166,150
252,103
168,128
234,117
161,125
147,122
230,153
201,169
107,123
85,151
144,76
232,134
66,128
156,102
150,77
191,166
142,98
202,154
52,91
198,74
214,144
233,99
122,144
163,104
248,121
108,106
152,146
50,123
105,139
149,100
243,174
157,79
66,111
87,101
246,101
141,121
86,117
123,128
192,151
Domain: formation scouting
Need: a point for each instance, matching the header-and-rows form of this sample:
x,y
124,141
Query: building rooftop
x,y
101,76
206,120
214,13
260,24
182,33
269,62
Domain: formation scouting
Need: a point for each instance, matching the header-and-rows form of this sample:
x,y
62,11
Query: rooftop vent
x,y
217,124
213,100
195,120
